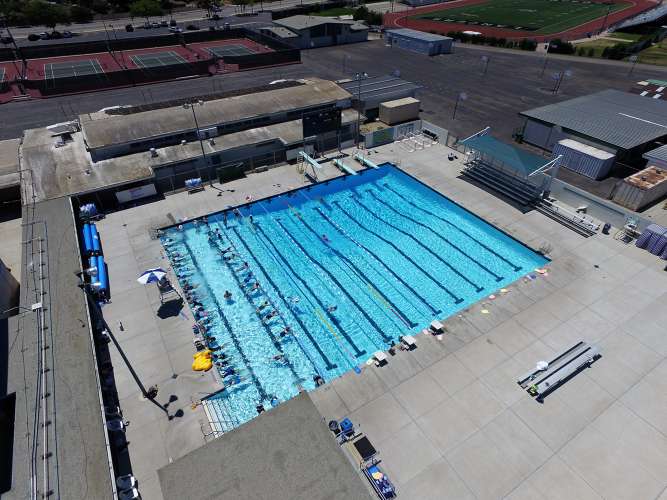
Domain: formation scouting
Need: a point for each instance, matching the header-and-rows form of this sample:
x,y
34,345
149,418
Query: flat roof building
x,y
418,41
620,122
320,31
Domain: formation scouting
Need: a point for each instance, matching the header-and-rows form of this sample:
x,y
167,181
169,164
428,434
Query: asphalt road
x,y
512,83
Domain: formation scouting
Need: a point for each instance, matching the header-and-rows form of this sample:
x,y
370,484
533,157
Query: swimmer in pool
x,y
228,294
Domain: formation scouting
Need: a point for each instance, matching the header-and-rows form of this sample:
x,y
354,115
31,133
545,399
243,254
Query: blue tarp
x,y
523,162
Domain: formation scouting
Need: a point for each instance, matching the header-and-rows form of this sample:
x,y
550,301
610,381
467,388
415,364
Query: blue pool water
x,y
348,266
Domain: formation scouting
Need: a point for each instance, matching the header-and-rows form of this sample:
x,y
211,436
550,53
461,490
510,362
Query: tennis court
x,y
69,69
230,50
157,59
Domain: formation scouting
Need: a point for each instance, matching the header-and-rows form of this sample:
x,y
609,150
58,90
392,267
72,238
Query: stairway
x,y
522,192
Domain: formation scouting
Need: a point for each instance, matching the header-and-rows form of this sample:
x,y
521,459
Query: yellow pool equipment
x,y
202,361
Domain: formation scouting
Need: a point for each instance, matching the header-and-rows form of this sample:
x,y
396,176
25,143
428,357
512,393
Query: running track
x,y
400,20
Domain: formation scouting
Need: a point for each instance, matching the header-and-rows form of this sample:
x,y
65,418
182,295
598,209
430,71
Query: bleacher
x,y
516,189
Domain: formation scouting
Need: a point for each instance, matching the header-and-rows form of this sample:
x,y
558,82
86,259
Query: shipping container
x,y
642,189
584,159
399,110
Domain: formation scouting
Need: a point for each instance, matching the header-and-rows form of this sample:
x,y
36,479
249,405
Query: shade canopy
x,y
523,162
151,276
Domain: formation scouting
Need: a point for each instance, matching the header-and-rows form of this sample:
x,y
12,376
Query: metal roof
x,y
616,118
382,88
419,35
301,22
657,154
281,31
521,161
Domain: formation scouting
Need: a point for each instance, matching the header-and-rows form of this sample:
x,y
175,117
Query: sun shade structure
x,y
522,162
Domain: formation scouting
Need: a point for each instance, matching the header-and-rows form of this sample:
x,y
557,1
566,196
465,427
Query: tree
x,y
145,8
44,13
207,5
80,14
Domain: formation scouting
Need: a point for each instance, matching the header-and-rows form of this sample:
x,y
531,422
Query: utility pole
x,y
461,97
191,105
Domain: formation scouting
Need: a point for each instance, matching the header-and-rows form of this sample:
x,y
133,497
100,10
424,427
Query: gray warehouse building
x,y
307,32
621,123
418,41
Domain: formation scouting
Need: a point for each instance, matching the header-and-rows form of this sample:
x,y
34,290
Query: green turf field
x,y
541,16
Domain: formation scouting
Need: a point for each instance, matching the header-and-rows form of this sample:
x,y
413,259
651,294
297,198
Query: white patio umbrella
x,y
151,276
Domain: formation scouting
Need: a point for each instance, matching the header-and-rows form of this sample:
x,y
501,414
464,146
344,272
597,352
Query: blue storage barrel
x,y
95,239
102,274
87,240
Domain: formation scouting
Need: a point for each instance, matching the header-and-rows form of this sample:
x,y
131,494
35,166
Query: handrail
x,y
365,161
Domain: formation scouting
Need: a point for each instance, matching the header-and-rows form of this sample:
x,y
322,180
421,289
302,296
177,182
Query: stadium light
x,y
633,59
461,97
485,61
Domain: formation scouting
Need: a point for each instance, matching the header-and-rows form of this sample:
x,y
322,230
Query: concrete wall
x,y
9,291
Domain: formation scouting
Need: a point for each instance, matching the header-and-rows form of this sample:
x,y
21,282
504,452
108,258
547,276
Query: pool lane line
x,y
457,299
368,251
433,214
328,363
266,327
392,209
358,352
286,262
367,281
237,344
447,264
425,303
342,345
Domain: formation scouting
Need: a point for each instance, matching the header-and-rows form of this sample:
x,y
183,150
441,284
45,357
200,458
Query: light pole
x,y
359,77
604,22
461,97
485,61
546,55
191,105
633,59
559,77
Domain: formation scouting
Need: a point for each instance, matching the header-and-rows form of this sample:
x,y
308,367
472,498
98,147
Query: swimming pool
x,y
347,266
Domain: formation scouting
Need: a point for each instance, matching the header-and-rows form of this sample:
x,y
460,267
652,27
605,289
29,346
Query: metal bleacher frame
x,y
521,190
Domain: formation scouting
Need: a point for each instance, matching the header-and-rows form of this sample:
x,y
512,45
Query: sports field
x,y
539,16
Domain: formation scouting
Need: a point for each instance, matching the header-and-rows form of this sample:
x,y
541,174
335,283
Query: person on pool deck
x,y
228,295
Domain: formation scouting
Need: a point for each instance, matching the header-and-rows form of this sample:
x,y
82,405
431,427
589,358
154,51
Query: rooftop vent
x,y
184,142
211,142
153,153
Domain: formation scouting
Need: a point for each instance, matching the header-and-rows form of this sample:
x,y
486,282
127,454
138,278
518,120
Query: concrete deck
x,y
448,418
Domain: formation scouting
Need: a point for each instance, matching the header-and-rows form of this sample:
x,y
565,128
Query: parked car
x,y
6,39
67,34
129,28
32,37
44,35
147,25
192,27
155,24
164,23
56,35
172,22
175,29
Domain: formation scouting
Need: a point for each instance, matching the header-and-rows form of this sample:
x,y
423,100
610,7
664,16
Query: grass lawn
x,y
657,54
597,45
541,16
632,37
338,11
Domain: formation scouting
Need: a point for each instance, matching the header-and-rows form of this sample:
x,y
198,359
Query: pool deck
x,y
448,418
